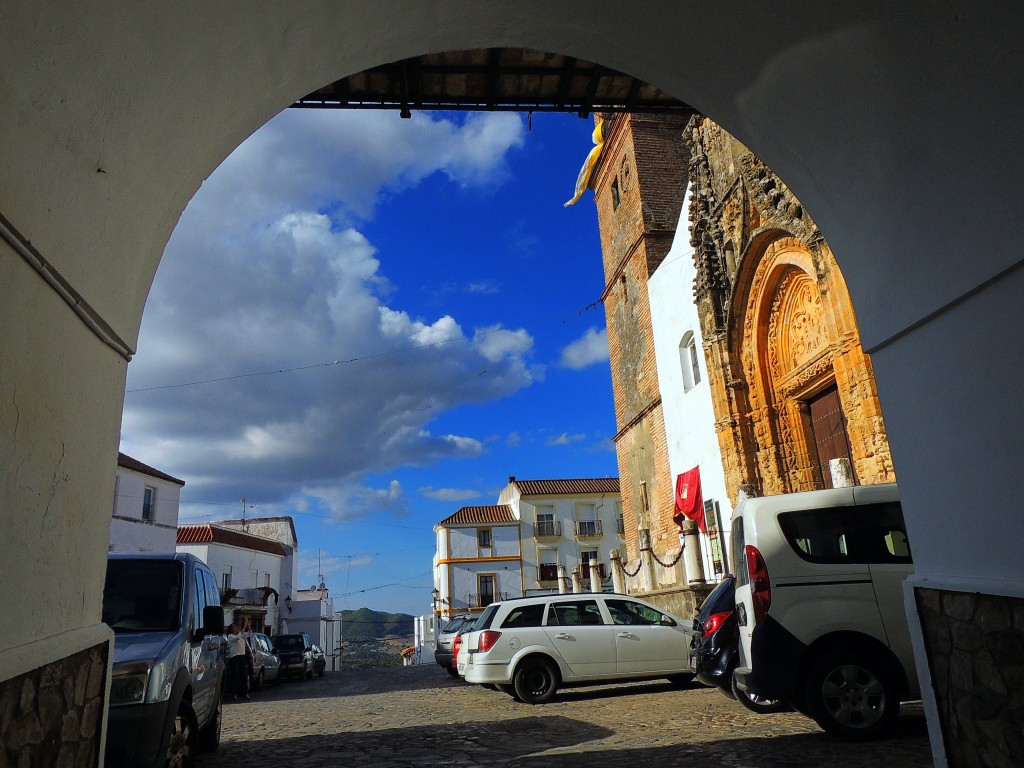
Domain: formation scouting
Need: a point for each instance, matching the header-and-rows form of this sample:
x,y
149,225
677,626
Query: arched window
x,y
689,361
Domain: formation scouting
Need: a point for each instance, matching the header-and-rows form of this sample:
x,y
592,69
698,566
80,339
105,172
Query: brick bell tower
x,y
639,182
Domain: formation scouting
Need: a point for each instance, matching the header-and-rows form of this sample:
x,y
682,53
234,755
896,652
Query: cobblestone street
x,y
420,716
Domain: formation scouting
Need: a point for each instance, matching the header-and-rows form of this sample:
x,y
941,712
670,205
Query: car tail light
x,y
487,639
760,586
457,642
715,622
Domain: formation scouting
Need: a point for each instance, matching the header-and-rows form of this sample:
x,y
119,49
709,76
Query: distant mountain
x,y
365,624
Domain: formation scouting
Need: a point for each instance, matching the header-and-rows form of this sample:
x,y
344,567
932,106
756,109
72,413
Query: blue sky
x,y
367,322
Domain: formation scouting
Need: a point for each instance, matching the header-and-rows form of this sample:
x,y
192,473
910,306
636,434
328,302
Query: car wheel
x,y
181,745
509,689
257,682
535,681
320,672
209,735
852,695
308,673
755,703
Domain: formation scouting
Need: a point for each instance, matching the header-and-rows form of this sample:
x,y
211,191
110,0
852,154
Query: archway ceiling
x,y
494,79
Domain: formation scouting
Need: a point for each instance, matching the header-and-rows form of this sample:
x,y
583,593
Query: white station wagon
x,y
529,647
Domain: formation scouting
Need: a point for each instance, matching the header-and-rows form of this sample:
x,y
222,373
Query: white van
x,y
819,600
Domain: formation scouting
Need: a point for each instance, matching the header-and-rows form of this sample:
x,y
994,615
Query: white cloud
x,y
268,272
449,494
565,439
591,348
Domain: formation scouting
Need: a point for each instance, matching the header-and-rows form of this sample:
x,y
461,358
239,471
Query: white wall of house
x,y
245,569
313,612
130,531
281,530
689,414
559,516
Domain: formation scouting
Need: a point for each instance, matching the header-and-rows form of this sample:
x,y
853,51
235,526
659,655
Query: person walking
x,y
238,659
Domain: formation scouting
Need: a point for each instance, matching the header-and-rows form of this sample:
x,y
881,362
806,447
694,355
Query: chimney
x,y
511,479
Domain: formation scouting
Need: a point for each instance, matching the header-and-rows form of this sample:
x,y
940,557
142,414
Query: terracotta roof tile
x,y
498,513
205,533
567,487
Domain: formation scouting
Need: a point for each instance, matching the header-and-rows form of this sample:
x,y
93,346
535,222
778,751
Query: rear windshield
x,y
453,626
143,595
289,643
739,561
484,622
722,598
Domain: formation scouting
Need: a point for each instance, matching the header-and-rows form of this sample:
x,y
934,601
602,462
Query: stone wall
x,y
51,716
975,649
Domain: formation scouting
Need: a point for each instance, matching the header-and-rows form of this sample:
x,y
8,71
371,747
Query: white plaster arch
x,y
897,127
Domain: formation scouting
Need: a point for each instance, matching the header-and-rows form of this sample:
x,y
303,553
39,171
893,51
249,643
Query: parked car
x,y
714,653
169,659
295,651
266,666
819,604
443,651
529,647
459,661
319,660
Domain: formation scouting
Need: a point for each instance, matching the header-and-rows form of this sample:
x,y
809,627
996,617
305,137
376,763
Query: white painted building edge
x,y
689,415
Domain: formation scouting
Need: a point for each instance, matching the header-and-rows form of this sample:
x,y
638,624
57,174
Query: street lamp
x,y
436,595
288,603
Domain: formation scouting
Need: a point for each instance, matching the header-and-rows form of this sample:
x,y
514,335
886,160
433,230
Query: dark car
x,y
319,660
296,654
714,650
443,651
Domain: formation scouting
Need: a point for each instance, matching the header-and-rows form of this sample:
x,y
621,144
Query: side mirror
x,y
213,622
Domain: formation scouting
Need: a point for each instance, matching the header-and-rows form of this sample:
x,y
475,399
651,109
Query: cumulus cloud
x,y
270,293
591,348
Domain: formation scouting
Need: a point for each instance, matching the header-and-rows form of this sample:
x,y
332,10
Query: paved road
x,y
409,717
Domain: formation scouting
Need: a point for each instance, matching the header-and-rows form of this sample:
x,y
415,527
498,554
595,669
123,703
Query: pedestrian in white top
x,y
238,659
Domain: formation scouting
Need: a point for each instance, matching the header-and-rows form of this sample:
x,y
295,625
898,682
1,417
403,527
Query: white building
x,y
685,394
478,559
517,546
567,523
312,611
145,514
249,568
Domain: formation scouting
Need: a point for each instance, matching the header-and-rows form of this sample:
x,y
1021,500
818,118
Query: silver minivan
x,y
819,601
169,659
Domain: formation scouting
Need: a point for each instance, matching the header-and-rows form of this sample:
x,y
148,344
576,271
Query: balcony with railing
x,y
484,599
548,529
588,529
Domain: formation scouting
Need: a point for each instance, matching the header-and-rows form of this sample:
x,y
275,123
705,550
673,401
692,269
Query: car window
x,y
143,595
870,533
453,625
288,643
530,615
631,612
575,614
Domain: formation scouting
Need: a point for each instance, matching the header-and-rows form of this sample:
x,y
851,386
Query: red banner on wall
x,y
689,499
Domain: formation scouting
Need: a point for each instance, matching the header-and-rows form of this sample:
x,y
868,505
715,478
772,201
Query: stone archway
x,y
795,335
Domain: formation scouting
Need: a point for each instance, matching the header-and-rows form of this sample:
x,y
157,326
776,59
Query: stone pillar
x,y
577,583
647,581
691,553
561,579
618,577
595,576
842,473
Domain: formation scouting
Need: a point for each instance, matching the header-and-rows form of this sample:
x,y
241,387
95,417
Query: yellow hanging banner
x,y
588,165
